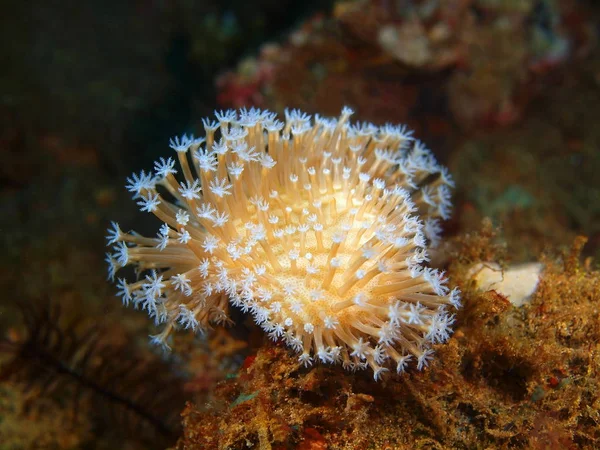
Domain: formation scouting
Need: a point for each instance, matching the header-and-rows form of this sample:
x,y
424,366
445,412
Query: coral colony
x,y
319,229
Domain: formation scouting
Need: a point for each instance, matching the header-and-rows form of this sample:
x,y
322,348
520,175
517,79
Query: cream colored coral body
x,y
319,230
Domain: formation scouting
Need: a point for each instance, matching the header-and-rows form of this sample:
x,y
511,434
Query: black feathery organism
x,y
126,393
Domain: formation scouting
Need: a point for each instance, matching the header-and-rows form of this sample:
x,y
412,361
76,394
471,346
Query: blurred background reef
x,y
505,92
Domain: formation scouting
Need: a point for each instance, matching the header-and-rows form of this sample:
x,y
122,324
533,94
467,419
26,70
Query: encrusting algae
x,y
509,377
319,230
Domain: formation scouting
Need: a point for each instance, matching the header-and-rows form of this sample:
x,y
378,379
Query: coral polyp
x,y
318,228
